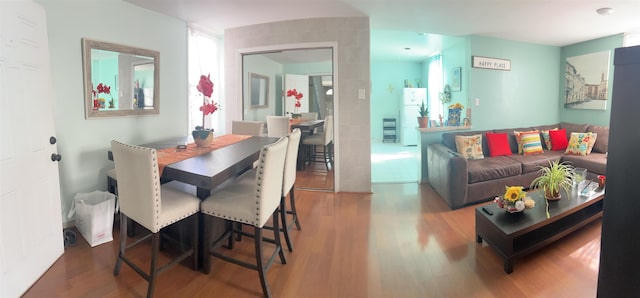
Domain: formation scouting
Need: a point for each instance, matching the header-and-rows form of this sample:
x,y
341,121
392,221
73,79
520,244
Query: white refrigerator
x,y
412,98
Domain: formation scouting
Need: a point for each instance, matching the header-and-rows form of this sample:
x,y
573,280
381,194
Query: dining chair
x,y
324,139
239,204
151,205
251,128
288,181
309,116
277,126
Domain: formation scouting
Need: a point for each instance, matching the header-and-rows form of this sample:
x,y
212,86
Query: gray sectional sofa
x,y
461,182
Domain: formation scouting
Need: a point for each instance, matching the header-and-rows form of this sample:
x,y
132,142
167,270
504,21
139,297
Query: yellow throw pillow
x,y
518,134
470,147
581,143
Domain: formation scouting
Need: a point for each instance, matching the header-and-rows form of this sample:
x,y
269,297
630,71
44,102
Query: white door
x,y
301,84
30,217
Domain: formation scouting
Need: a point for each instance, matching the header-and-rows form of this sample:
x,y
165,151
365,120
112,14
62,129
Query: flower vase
x,y
202,137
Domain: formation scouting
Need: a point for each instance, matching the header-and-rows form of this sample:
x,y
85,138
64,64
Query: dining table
x,y
207,169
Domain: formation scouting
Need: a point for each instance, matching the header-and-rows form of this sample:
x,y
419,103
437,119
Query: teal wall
x,y
83,143
525,96
456,55
386,91
598,117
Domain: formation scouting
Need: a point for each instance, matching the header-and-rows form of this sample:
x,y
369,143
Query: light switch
x,y
361,94
476,101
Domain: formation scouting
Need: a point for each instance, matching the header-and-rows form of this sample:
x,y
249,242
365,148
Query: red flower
x,y
296,95
298,104
209,108
205,85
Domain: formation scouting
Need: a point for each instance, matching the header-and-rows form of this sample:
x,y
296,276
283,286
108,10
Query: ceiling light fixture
x,y
605,11
407,49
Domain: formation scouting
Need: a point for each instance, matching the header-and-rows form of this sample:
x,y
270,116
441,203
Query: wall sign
x,y
491,63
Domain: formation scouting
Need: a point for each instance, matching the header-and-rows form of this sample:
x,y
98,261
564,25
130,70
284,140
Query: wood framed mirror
x,y
119,80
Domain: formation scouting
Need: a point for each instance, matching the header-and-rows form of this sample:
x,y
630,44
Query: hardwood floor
x,y
400,241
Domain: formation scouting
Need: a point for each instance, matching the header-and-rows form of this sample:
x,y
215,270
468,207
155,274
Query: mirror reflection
x,y
310,73
119,80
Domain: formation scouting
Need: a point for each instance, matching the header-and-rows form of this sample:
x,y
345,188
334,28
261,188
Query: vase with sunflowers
x,y
204,136
514,200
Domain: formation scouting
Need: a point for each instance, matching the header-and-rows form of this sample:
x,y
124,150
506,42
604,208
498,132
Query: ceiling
x,y
395,24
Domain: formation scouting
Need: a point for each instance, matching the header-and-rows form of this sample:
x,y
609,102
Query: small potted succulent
x,y
423,120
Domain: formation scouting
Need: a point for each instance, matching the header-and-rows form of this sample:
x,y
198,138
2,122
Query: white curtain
x,y
205,58
435,88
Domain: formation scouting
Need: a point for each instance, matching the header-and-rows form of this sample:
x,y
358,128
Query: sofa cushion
x,y
581,143
449,138
470,147
559,140
532,163
602,142
492,168
573,127
498,144
529,142
595,162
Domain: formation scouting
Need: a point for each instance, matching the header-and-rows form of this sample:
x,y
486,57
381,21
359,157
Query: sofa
x,y
461,181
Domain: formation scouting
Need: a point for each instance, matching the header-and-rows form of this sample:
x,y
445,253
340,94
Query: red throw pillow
x,y
498,144
559,139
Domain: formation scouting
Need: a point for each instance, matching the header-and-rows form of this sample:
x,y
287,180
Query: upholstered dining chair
x,y
309,116
324,139
251,128
151,205
239,204
277,126
288,181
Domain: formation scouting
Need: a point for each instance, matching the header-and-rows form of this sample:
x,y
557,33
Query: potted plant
x,y
557,176
423,120
201,135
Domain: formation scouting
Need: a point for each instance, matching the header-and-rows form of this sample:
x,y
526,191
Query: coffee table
x,y
514,235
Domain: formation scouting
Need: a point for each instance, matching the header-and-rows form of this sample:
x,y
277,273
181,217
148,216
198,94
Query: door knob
x,y
56,157
52,140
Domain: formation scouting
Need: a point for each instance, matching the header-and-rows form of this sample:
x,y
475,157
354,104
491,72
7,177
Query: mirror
x,y
120,80
310,72
258,90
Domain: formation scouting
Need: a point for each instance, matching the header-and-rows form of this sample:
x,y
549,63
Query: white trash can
x,y
94,216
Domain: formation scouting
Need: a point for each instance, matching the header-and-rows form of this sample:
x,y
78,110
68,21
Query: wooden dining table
x,y
209,170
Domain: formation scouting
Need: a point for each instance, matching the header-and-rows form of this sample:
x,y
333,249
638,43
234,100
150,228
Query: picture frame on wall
x,y
587,81
456,79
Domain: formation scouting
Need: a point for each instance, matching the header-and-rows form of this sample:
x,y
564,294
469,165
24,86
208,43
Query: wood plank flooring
x,y
400,241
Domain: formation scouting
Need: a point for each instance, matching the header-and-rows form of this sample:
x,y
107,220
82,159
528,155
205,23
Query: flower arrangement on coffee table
x,y
514,200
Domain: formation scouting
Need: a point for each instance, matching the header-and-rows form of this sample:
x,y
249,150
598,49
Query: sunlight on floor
x,y
585,254
392,162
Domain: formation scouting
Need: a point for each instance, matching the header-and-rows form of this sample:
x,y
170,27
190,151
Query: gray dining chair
x,y
323,139
251,128
239,204
277,126
151,205
288,182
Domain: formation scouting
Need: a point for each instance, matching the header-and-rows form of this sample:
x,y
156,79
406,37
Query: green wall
x,y
526,95
598,117
387,86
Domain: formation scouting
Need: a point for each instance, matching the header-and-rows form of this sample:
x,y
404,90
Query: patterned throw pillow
x,y
546,138
470,147
528,142
581,143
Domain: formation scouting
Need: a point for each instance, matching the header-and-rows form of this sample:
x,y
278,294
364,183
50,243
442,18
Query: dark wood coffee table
x,y
515,235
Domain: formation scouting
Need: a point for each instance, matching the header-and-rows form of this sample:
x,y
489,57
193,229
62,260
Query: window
x,y
435,88
205,57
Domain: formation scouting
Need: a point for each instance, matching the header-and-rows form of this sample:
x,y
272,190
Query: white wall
x,y
83,143
351,39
